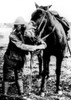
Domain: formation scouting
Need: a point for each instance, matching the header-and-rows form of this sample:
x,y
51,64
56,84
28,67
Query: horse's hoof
x,y
60,92
42,94
25,98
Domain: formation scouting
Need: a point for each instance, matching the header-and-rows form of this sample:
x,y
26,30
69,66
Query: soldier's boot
x,y
5,88
20,87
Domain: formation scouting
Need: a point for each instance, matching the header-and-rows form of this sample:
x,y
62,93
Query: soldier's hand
x,y
39,47
35,47
42,46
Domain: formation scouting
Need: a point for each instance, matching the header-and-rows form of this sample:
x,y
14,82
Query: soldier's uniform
x,y
15,54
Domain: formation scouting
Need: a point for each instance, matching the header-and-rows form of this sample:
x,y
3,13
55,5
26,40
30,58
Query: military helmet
x,y
20,20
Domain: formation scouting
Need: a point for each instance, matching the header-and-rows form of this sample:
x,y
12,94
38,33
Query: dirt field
x,y
65,80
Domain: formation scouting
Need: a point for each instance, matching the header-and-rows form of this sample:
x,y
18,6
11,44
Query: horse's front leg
x,y
58,71
46,59
40,60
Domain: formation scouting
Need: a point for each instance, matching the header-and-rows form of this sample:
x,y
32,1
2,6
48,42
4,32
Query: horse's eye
x,y
40,15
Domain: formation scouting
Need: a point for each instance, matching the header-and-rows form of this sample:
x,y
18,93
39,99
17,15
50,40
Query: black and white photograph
x,y
35,50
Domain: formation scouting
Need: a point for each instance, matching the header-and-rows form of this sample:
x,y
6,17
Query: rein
x,y
48,34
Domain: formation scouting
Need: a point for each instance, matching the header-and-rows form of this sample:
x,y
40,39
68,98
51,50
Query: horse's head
x,y
39,13
42,18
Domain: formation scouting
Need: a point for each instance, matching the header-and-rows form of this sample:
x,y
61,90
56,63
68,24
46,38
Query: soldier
x,y
15,54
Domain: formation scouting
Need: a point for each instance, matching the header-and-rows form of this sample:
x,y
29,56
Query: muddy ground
x,y
30,80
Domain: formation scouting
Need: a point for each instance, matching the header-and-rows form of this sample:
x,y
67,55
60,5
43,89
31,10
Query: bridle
x,y
43,19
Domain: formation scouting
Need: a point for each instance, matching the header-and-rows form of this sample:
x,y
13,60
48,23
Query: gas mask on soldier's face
x,y
23,28
17,27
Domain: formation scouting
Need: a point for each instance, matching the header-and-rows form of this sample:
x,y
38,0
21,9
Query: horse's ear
x,y
49,7
37,6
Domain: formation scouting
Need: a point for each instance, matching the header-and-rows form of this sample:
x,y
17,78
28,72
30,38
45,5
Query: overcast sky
x,y
11,9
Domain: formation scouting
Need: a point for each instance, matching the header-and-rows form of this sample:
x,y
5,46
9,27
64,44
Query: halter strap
x,y
41,24
42,29
41,21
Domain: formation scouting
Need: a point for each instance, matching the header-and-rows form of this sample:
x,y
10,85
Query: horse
x,y
52,32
